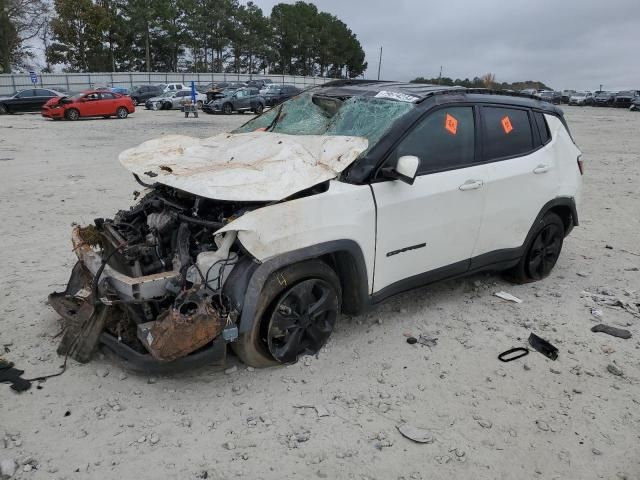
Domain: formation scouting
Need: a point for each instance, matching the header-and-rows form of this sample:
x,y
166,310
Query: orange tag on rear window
x,y
506,125
451,124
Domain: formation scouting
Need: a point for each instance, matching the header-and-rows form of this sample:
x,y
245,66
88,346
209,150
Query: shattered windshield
x,y
314,114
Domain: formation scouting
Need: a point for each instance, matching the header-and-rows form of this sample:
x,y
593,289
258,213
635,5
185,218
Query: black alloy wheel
x,y
544,251
302,320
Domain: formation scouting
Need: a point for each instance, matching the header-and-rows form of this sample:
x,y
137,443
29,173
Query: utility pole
x,y
379,63
440,75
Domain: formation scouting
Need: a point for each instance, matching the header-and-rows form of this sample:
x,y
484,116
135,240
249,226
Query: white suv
x,y
331,202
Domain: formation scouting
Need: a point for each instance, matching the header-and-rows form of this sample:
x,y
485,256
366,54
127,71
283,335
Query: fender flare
x,y
358,275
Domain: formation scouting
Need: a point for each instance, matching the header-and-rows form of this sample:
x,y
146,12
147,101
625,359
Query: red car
x,y
90,103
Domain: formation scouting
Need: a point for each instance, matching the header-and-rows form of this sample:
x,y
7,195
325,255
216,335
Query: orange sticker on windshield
x,y
506,125
451,124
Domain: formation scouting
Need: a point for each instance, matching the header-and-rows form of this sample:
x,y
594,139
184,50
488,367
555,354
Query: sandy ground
x,y
532,418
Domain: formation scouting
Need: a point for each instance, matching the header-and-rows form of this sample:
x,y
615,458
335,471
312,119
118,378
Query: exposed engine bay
x,y
153,278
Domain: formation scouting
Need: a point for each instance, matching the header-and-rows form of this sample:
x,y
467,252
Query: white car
x,y
170,87
331,202
174,100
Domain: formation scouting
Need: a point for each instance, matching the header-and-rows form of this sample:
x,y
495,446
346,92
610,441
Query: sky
x,y
567,44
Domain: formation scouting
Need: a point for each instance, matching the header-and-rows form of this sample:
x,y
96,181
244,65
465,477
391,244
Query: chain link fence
x,y
75,82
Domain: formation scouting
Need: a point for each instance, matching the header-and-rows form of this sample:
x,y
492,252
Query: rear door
x,y
522,176
107,104
432,225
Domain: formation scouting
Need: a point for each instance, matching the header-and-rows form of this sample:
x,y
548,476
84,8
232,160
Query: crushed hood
x,y
256,166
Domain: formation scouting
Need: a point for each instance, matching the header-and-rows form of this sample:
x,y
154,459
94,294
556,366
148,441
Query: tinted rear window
x,y
506,132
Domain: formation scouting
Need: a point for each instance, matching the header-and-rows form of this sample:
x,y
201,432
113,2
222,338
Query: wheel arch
x,y
565,208
344,256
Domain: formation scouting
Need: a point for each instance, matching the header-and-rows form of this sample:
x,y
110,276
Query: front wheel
x,y
72,114
542,251
122,113
199,104
258,110
227,109
295,316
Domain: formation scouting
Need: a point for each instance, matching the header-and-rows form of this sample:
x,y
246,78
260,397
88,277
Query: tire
x,y
227,109
268,343
136,101
3,109
259,109
122,113
542,251
199,104
72,114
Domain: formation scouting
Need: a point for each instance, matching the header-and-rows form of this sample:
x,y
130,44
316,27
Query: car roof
x,y
421,92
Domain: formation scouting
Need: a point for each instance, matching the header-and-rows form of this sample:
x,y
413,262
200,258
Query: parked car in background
x,y
141,93
566,95
624,99
120,90
161,102
529,91
170,87
90,103
174,100
274,95
241,100
581,98
635,104
260,83
604,99
29,100
550,96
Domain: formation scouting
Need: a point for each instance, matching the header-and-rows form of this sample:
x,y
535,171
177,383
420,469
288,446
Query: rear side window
x,y
444,140
506,132
108,96
543,128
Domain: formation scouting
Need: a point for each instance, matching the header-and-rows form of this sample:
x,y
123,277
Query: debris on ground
x,y
614,370
613,331
427,341
417,434
542,346
509,356
508,297
412,340
9,374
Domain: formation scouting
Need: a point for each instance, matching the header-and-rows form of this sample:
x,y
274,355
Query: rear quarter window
x,y
543,128
506,132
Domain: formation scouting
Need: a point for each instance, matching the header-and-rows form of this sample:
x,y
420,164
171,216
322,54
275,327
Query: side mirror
x,y
405,170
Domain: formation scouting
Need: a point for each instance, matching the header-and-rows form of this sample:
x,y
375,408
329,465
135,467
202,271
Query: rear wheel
x,y
3,109
542,252
199,104
72,114
122,113
258,110
227,109
295,316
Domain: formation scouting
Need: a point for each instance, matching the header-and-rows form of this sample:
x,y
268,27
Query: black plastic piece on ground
x,y
11,375
216,355
412,340
543,346
613,331
504,356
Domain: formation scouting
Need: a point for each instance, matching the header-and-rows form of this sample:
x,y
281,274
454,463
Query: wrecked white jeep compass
x,y
338,198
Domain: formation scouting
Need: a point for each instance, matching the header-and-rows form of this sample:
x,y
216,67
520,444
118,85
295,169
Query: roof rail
x,y
483,91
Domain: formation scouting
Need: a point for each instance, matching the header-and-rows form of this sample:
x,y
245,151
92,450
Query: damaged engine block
x,y
153,277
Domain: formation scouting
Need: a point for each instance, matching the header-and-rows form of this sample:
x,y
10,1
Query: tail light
x,y
580,165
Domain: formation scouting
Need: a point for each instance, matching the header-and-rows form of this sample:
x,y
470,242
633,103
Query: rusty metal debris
x,y
189,325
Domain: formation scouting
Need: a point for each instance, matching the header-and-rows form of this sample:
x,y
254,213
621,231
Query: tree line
x,y
487,80
181,36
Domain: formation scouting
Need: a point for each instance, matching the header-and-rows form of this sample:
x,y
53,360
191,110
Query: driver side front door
x,y
427,231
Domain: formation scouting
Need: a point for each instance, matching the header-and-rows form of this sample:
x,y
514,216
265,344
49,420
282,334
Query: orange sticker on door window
x,y
506,125
451,124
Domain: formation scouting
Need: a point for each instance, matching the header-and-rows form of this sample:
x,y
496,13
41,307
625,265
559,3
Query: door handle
x,y
471,185
541,169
